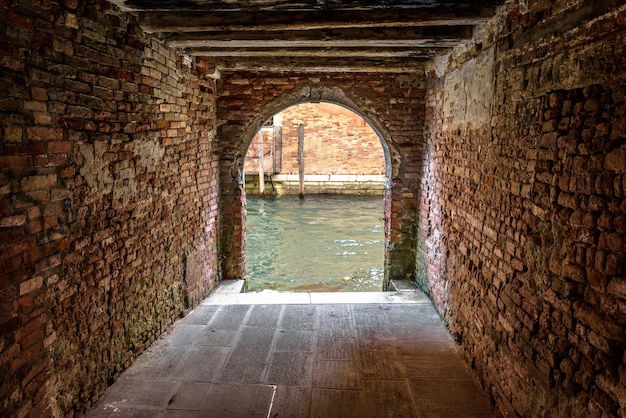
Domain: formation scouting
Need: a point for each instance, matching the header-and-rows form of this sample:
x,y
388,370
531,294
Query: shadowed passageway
x,y
124,130
301,355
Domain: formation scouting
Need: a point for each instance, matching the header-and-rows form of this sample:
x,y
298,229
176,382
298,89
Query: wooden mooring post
x,y
301,159
261,163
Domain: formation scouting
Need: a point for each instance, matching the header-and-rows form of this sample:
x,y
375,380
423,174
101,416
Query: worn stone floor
x,y
300,355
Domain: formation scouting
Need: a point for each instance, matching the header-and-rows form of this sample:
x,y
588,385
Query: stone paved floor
x,y
269,355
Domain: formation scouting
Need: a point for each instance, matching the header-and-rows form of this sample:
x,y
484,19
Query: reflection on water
x,y
321,243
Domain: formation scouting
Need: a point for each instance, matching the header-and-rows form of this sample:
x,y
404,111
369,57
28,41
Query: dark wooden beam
x,y
317,52
318,64
286,5
181,21
426,37
413,43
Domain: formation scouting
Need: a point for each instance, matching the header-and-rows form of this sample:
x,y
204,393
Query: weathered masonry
x,y
258,98
123,131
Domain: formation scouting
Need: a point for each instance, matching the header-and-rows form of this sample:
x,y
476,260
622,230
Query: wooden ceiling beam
x,y
337,43
317,52
351,37
309,36
288,5
318,64
181,21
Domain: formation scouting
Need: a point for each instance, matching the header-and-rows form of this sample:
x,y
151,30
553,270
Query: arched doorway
x,y
332,240
397,116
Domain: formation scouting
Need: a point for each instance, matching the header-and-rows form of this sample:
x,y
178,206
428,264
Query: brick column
x,y
232,214
400,231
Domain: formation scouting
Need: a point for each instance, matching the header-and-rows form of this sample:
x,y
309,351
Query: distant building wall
x,y
337,141
339,146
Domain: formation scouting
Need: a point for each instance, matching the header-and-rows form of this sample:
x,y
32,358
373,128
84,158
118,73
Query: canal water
x,y
323,243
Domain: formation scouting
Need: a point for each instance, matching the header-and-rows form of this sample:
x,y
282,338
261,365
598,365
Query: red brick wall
x,y
247,100
270,154
108,200
336,141
522,233
109,195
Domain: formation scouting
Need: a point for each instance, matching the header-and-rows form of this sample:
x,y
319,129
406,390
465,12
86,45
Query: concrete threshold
x,y
230,293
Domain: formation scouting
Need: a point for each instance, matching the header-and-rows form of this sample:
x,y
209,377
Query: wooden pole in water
x,y
301,159
261,172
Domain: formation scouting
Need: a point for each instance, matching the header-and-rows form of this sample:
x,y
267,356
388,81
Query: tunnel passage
x,y
110,196
394,108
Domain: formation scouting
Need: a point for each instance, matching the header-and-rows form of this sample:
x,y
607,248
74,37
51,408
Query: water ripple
x,y
295,244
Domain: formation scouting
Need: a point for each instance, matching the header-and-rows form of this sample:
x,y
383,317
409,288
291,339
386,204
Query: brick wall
x,y
108,199
247,100
336,141
521,225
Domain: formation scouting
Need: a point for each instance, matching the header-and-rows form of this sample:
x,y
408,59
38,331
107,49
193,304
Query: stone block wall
x,y
108,199
522,215
352,184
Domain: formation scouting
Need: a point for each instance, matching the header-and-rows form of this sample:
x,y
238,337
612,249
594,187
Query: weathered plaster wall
x,y
395,107
108,199
522,219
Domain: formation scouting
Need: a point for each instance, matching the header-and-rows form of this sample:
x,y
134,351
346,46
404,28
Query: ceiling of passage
x,y
313,35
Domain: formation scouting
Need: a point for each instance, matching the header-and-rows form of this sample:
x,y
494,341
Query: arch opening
x,y
243,115
334,238
339,140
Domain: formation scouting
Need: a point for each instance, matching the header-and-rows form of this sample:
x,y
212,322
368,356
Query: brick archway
x,y
395,112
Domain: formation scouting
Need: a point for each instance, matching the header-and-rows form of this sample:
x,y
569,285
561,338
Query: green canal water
x,y
323,243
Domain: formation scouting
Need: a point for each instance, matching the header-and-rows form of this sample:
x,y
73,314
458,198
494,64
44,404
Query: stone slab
x,y
182,335
140,393
445,397
330,403
229,317
290,368
388,398
332,374
336,349
201,364
267,297
300,317
291,401
266,316
217,337
249,357
294,340
230,286
190,396
201,315
157,362
237,401
368,297
381,363
403,286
